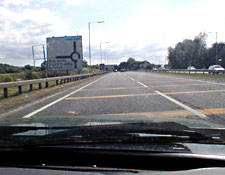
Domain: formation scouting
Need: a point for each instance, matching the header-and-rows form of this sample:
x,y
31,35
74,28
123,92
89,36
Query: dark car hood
x,y
196,148
103,120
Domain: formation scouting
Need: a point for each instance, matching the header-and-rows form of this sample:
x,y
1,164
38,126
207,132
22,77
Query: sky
x,y
142,29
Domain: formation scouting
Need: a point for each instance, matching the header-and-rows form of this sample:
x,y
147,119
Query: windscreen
x,y
70,63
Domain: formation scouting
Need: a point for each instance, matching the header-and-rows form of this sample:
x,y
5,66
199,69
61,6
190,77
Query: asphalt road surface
x,y
133,96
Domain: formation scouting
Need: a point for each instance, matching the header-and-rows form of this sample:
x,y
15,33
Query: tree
x,y
145,65
210,58
123,65
6,68
131,64
43,65
28,67
85,63
221,54
188,53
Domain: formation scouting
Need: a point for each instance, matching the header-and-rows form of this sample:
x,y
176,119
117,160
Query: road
x,y
133,96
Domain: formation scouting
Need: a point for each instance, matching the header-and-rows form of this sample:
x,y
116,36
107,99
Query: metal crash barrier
x,y
58,81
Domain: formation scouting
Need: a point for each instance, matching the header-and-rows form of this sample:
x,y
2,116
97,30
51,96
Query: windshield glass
x,y
218,66
121,65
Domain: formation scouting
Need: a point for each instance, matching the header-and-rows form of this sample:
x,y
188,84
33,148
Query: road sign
x,y
65,53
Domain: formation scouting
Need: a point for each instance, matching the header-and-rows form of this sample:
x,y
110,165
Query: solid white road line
x,y
182,105
142,84
60,99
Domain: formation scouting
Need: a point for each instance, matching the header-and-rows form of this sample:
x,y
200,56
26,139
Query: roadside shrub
x,y
5,79
85,71
29,75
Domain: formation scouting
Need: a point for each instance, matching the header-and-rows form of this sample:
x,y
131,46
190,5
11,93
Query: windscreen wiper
x,y
119,133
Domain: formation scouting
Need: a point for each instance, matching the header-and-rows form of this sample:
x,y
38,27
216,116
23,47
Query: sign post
x,y
65,53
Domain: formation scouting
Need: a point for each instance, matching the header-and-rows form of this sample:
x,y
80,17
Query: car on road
x,y
215,69
161,68
191,68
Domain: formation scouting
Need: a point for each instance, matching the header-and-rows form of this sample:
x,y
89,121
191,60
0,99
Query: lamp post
x,y
89,29
101,50
216,47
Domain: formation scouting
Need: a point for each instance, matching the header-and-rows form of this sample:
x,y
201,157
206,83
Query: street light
x,y
216,47
106,57
101,49
89,29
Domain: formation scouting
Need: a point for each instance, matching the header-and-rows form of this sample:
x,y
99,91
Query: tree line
x,y
6,68
196,53
132,64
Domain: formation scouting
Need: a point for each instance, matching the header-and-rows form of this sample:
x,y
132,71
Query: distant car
x,y
215,69
161,68
115,70
191,68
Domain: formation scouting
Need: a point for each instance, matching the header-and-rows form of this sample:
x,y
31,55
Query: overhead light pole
x,y
216,47
216,50
101,50
89,29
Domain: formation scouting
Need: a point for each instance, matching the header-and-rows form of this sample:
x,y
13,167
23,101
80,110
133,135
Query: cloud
x,y
150,33
20,29
118,53
16,3
146,36
72,2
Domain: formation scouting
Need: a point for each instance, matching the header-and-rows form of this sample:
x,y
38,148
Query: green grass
x,y
25,89
14,91
33,75
27,75
11,77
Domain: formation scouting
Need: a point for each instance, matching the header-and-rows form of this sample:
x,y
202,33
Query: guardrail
x,y
197,71
59,80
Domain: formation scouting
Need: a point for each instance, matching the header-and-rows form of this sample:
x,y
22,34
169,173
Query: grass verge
x,y
16,101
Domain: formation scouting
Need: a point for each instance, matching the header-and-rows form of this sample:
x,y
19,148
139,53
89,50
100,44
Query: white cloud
x,y
146,36
16,3
24,28
72,2
168,26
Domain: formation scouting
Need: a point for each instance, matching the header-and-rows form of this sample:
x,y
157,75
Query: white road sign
x,y
65,53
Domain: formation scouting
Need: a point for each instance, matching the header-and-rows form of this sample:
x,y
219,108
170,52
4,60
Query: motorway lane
x,y
198,94
207,96
114,94
39,103
137,96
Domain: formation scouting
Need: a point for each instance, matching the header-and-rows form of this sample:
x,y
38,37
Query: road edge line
x,y
182,105
60,99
